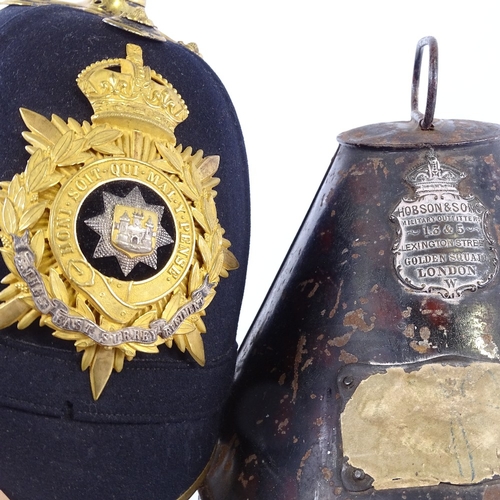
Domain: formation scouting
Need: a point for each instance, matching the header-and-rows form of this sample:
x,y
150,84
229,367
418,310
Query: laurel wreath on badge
x,y
111,233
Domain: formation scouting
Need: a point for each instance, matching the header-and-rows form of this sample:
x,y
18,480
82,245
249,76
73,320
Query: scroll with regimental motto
x,y
111,233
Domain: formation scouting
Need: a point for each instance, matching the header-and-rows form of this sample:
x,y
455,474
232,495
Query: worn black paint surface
x,y
337,302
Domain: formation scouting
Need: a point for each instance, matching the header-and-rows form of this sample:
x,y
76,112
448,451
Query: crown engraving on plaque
x,y
435,177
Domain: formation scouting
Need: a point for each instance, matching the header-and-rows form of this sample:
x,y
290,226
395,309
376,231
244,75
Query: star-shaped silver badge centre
x,y
127,232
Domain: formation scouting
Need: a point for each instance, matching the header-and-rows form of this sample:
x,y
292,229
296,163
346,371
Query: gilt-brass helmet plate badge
x,y
111,233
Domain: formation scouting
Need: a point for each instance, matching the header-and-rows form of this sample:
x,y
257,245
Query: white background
x,y
299,73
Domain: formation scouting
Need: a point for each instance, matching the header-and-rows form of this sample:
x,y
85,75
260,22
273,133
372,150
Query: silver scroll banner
x,y
24,259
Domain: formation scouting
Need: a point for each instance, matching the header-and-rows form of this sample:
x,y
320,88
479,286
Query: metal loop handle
x,y
425,121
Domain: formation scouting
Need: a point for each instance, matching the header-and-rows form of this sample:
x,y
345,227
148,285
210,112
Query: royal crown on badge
x,y
111,233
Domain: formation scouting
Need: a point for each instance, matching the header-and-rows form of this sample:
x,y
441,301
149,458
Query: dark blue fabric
x,y
152,431
103,461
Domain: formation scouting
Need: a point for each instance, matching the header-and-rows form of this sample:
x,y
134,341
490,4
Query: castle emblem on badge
x,y
111,233
130,238
443,244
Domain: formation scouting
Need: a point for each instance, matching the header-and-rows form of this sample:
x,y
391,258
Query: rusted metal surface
x,y
341,309
337,301
426,120
407,135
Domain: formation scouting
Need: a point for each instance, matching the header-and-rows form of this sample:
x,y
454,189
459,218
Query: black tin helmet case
x,y
371,370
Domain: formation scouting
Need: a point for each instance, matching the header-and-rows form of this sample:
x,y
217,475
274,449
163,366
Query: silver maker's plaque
x,y
443,244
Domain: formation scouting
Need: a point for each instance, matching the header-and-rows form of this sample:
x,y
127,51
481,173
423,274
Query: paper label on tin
x,y
437,424
443,243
